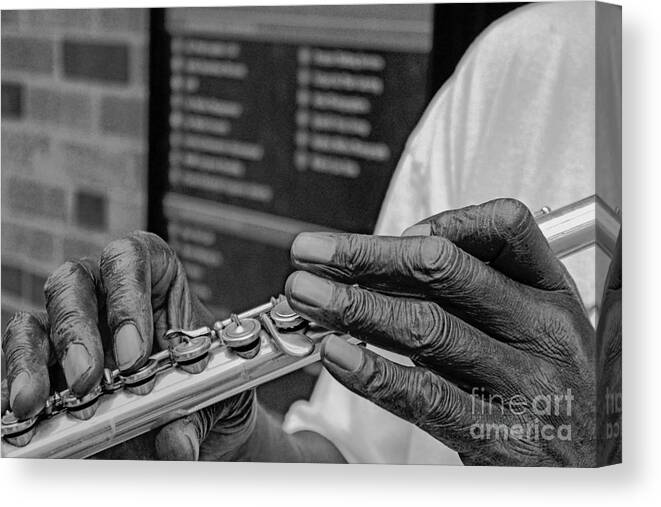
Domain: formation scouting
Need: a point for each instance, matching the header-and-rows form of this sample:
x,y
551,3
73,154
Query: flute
x,y
207,365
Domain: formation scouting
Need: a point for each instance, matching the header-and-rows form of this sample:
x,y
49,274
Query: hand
x,y
609,364
503,350
115,313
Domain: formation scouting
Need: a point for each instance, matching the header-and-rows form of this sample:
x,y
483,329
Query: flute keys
x,y
18,433
110,383
242,336
294,344
192,354
84,407
284,317
142,381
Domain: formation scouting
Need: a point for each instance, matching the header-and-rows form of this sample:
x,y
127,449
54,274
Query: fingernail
x,y
343,354
76,364
313,247
128,346
311,289
20,386
418,230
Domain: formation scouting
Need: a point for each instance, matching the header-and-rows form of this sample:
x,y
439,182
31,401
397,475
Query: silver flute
x,y
207,365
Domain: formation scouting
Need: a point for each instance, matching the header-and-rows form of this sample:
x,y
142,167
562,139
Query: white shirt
x,y
517,119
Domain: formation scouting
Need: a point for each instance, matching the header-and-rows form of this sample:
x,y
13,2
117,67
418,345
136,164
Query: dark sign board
x,y
301,131
269,121
282,120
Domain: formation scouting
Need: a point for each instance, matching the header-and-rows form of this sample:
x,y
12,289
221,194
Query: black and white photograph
x,y
357,234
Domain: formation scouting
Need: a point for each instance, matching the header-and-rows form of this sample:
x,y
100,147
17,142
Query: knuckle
x,y
123,263
381,380
24,341
18,320
355,252
62,278
445,266
422,321
19,325
151,240
433,403
352,307
436,332
510,217
559,334
433,253
118,250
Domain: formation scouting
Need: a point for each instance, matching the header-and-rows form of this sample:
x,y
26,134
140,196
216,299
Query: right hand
x,y
114,313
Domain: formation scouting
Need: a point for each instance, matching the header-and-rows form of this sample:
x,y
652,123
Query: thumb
x,y
180,440
231,420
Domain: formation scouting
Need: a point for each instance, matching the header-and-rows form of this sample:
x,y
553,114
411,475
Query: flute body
x,y
225,362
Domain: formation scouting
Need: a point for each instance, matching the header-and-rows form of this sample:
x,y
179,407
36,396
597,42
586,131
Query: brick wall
x,y
74,147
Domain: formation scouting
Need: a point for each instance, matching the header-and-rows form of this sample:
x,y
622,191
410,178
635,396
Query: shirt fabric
x,y
516,119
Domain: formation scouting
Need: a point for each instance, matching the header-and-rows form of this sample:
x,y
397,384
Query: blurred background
x,y
225,130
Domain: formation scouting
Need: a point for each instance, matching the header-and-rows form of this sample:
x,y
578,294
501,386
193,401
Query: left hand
x,y
503,349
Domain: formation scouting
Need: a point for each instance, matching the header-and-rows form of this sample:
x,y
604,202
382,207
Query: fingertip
x,y
313,247
311,290
130,349
27,396
289,283
341,354
82,370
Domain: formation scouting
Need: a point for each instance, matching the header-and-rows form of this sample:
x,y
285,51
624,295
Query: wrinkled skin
x,y
114,313
609,364
490,318
474,297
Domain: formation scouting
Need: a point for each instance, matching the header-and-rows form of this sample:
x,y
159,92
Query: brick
x,y
125,216
12,280
123,116
28,242
10,20
91,210
104,62
75,248
12,100
140,67
27,54
117,169
34,288
123,20
22,152
80,19
66,109
35,199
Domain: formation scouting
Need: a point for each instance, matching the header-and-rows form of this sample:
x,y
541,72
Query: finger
x,y
415,394
4,396
71,302
27,351
504,233
141,272
223,426
423,267
421,330
179,440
